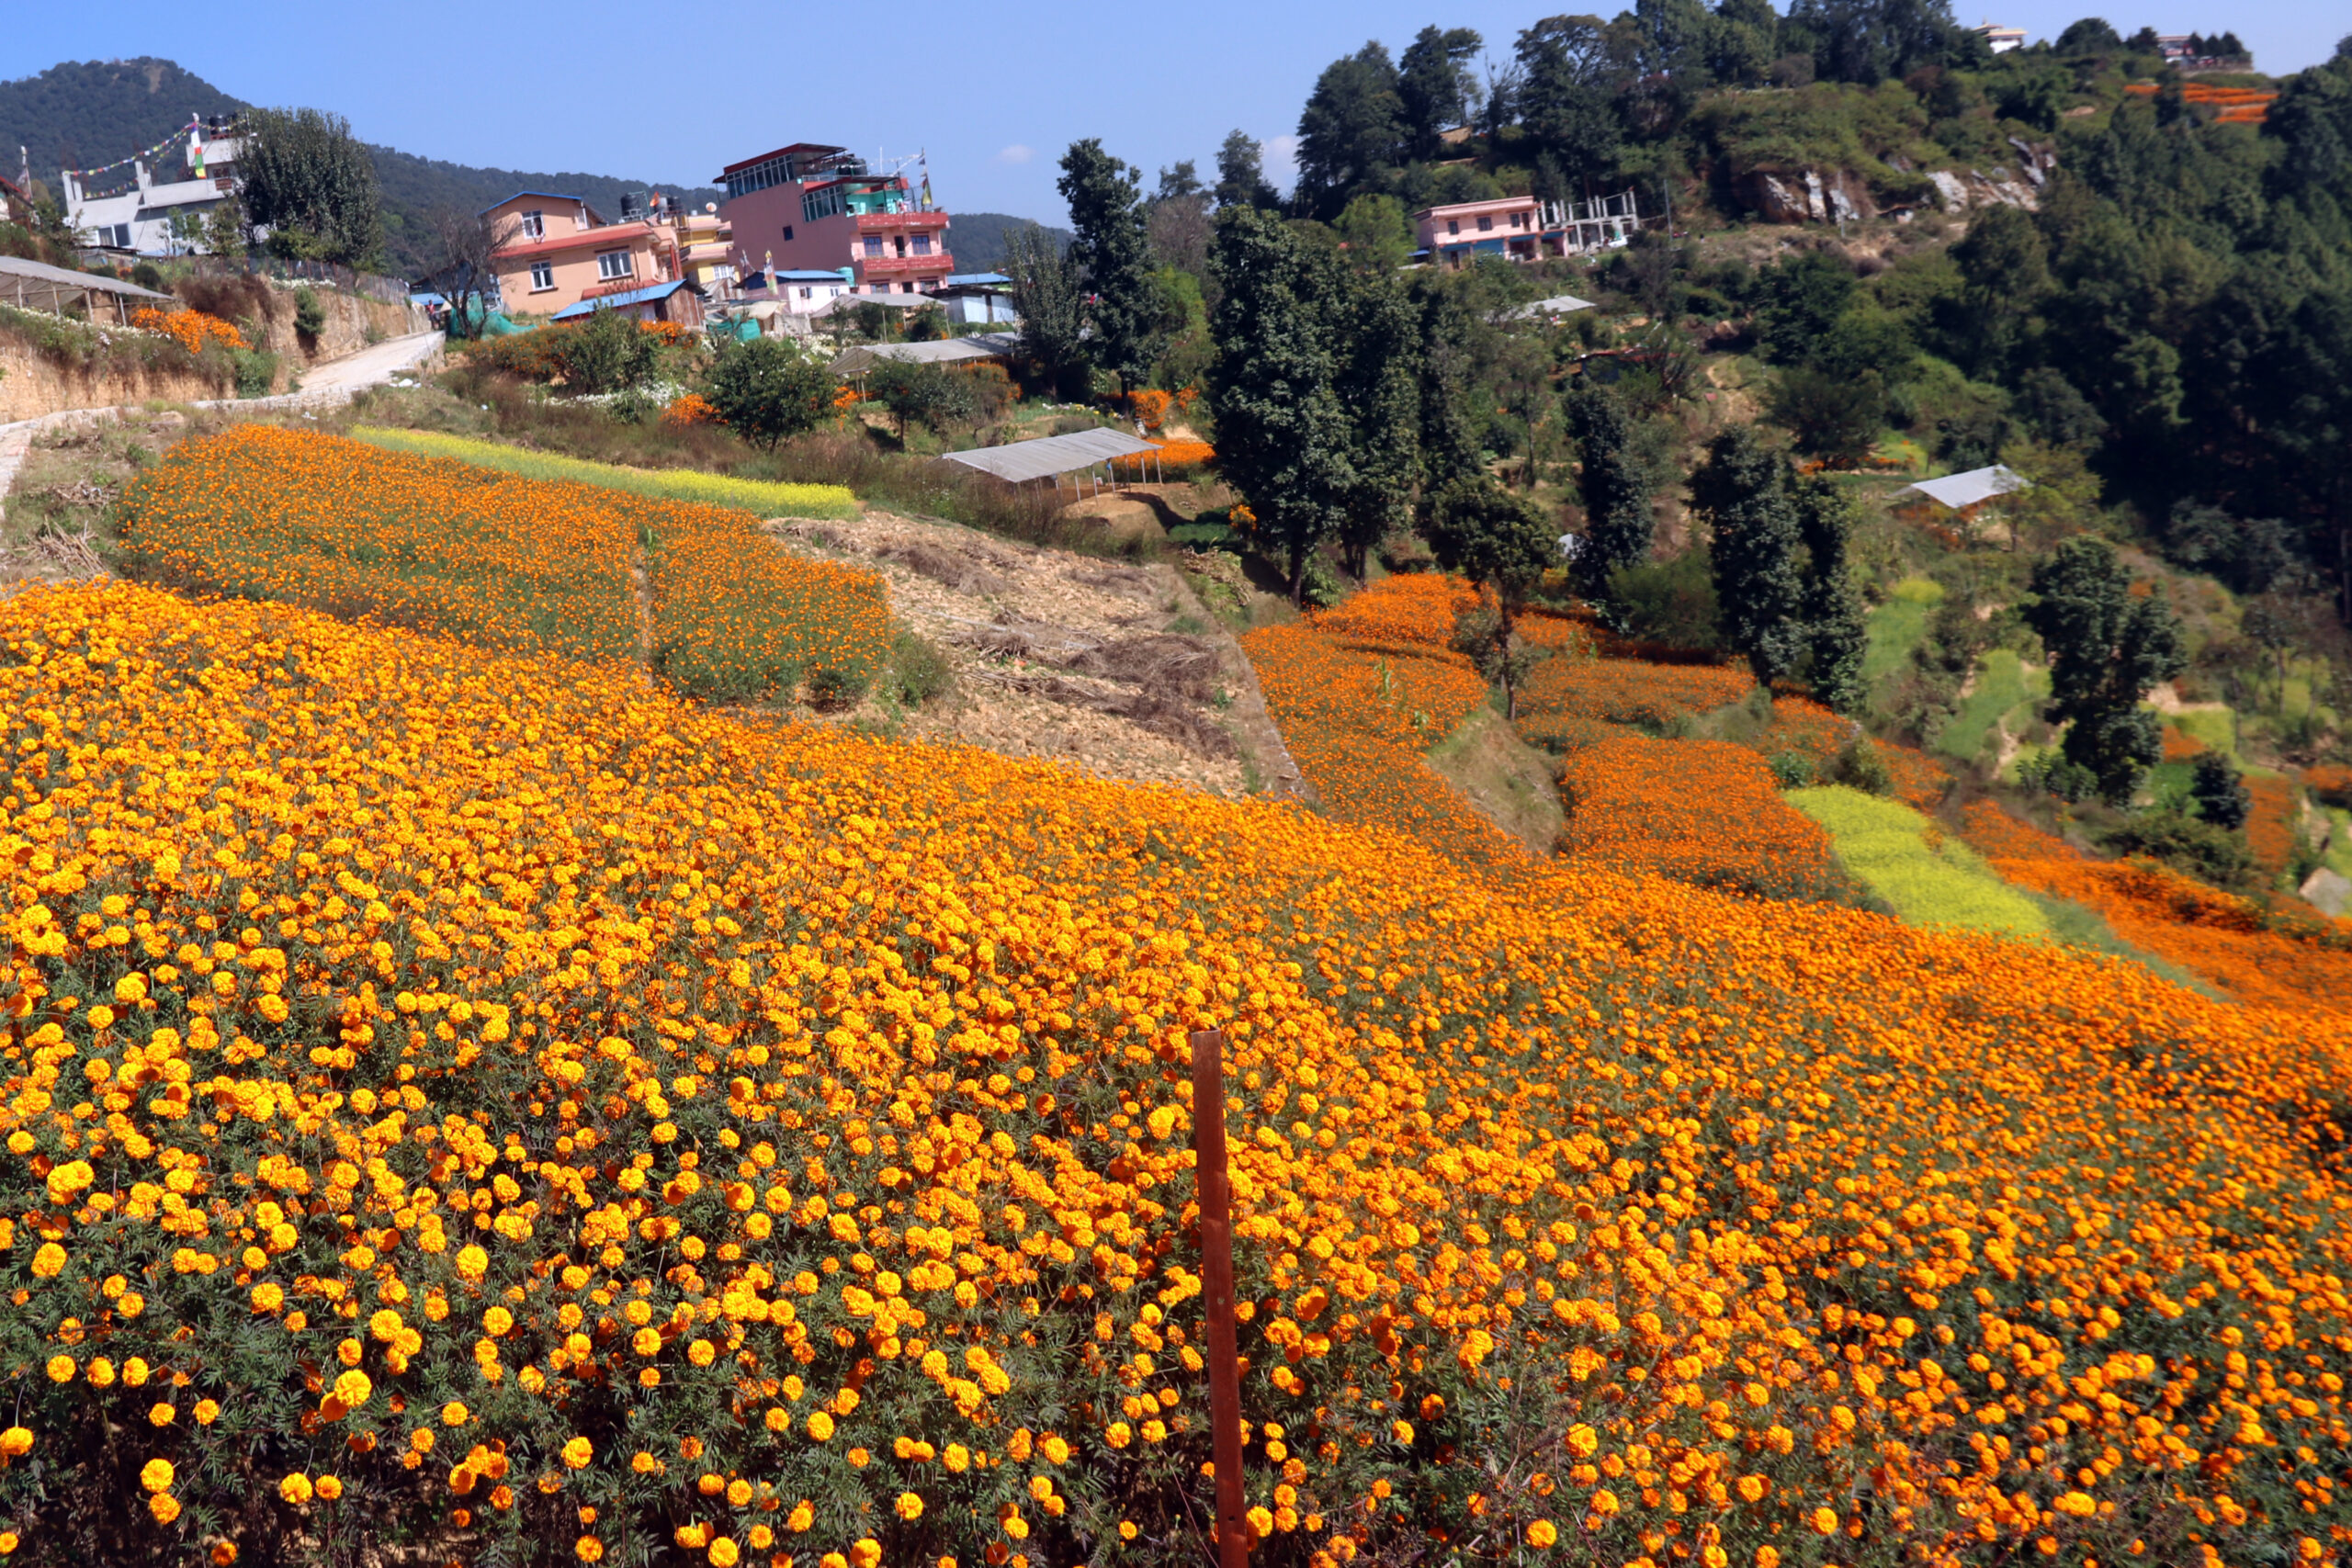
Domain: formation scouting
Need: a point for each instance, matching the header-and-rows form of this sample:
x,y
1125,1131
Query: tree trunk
x,y
1298,577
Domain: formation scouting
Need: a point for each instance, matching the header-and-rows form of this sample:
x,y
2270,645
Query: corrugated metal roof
x,y
613,301
41,287
940,351
975,280
1957,491
1558,305
1050,454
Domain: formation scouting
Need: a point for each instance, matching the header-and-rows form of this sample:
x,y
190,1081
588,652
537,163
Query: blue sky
x,y
994,93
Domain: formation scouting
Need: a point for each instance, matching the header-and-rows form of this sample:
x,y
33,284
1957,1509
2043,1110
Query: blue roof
x,y
974,279
812,275
613,301
544,195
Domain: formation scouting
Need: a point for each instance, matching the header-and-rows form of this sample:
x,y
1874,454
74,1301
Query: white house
x,y
140,217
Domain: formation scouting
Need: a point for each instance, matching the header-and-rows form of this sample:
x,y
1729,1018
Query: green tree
x,y
2005,269
1869,41
2221,794
1283,437
931,395
1618,519
1834,418
308,181
1450,441
1798,300
606,353
1052,307
766,389
928,324
1434,86
1742,493
1241,175
2107,648
1378,332
1567,94
1378,234
1837,630
1352,132
1504,543
1113,254
1743,43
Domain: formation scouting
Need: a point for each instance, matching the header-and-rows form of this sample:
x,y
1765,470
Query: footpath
x,y
330,384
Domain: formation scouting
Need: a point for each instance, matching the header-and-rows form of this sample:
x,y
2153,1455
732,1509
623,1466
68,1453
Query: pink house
x,y
555,252
811,208
1522,229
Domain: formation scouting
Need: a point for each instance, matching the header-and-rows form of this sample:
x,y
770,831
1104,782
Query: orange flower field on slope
x,y
1705,812
304,518
458,1098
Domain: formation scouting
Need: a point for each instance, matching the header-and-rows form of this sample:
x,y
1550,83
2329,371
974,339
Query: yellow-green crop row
x,y
1884,843
760,496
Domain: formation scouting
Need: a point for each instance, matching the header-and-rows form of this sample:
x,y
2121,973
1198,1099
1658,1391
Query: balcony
x,y
899,222
896,266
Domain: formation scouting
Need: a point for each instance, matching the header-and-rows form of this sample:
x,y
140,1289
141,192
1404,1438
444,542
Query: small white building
x,y
2000,38
802,291
983,296
141,218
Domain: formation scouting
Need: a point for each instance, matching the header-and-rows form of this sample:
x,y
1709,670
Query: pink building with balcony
x,y
554,252
811,208
1522,229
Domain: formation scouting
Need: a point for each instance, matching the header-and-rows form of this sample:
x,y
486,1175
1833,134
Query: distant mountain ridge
x,y
92,113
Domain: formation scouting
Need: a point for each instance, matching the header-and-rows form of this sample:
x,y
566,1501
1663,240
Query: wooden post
x,y
1216,1198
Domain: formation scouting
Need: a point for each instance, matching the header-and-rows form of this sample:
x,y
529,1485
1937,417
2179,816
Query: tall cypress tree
x,y
1380,389
1284,438
1618,520
1836,635
2107,649
1742,491
1113,254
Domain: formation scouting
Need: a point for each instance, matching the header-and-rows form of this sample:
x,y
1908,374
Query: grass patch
x,y
2003,685
1898,626
760,496
1926,882
2216,730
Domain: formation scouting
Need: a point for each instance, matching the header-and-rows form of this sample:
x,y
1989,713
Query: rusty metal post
x,y
1217,1291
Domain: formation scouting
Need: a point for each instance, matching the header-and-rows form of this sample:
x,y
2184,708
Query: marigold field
x,y
522,564
471,1107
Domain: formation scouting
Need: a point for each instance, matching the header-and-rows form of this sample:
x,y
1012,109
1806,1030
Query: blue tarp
x,y
618,302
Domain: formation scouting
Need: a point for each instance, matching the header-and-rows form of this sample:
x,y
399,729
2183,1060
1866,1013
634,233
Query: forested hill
x,y
82,114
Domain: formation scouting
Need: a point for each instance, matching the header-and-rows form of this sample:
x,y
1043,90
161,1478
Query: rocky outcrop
x,y
1812,196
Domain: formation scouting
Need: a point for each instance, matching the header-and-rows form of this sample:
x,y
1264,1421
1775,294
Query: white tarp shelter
x,y
940,351
1050,456
1557,305
1960,492
37,286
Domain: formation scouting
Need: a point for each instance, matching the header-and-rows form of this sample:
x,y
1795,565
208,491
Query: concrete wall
x,y
32,384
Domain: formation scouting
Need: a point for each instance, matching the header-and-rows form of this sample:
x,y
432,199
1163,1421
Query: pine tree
x,y
1836,634
2220,795
2107,648
1742,492
1283,437
1113,254
1379,388
1618,520
1052,307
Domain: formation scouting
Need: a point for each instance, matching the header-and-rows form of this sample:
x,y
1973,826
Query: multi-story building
x,y
554,252
808,207
2000,38
1522,229
160,217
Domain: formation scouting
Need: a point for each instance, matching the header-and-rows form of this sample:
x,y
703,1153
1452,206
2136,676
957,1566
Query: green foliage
x,y
607,353
2220,795
2202,849
1376,231
1046,293
1435,85
1836,632
1618,519
310,316
766,390
1741,491
1669,603
1240,174
1928,879
927,324
308,181
1352,129
2107,647
917,672
1504,543
1284,437
1112,254
1798,301
931,395
1834,418
255,371
1378,333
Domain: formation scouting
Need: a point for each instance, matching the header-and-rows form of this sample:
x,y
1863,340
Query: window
x,y
825,202
1453,225
906,288
787,231
535,224
542,276
874,244
804,293
922,244
611,264
1484,224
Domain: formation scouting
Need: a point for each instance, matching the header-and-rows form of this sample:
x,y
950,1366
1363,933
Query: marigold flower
x,y
207,1412
18,1441
1825,1520
1541,1533
295,1489
909,1505
577,1453
588,1549
156,1475
163,1506
50,1261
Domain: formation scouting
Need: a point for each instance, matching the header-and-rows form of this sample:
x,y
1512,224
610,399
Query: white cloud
x,y
1016,153
1279,157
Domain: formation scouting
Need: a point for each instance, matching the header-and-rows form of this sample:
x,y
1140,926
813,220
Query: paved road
x,y
323,386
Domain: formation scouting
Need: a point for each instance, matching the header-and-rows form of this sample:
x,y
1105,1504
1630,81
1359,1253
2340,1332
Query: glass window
x,y
874,244
542,276
1484,224
787,231
614,263
534,225
922,244
1453,225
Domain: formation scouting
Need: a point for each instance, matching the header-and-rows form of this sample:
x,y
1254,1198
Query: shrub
x,y
310,316
767,390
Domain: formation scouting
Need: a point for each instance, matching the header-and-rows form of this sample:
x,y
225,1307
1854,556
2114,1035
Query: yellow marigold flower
x,y
161,1415
2078,1504
865,1553
1402,1431
163,1506
330,1487
497,1320
207,1412
1261,1521
1055,1449
157,1475
472,1264
702,1352
50,1261
61,1369
17,1443
453,1414
909,1505
1825,1520
269,1297
1542,1533
355,1388
820,1426
295,1489
723,1554
802,1516
588,1549
578,1453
